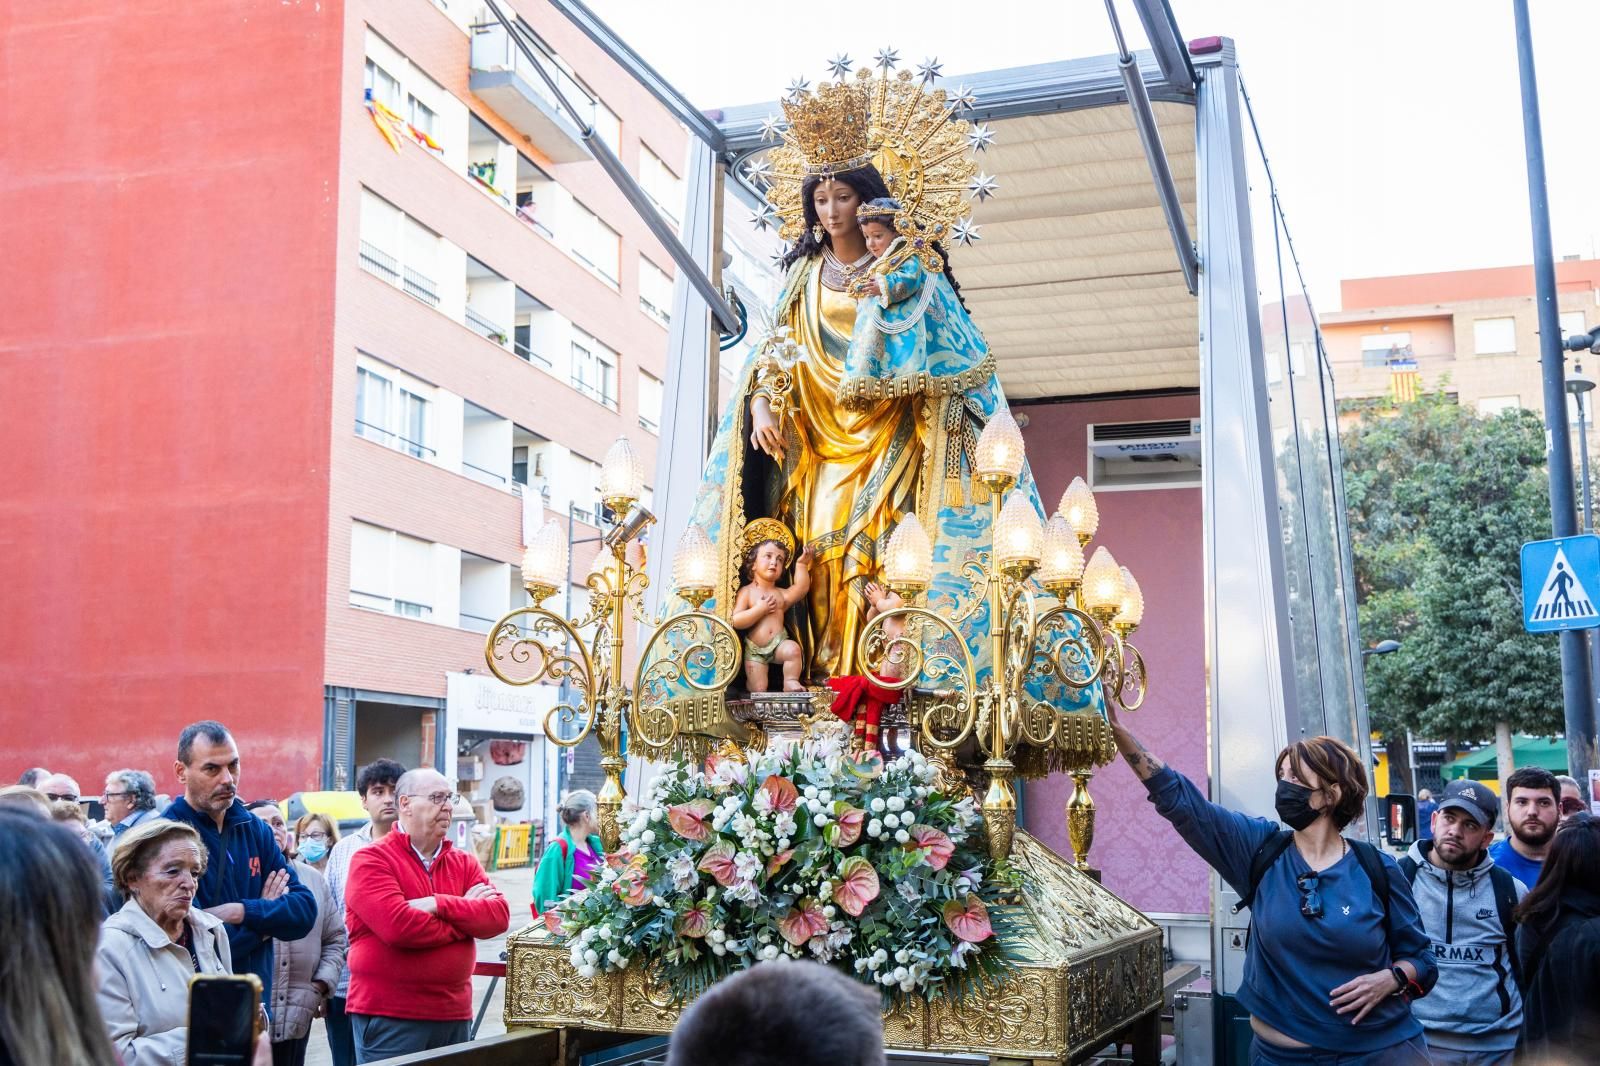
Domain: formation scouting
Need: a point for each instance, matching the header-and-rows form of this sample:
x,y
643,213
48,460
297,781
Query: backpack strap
x,y
1267,854
563,842
1408,866
1505,901
1372,862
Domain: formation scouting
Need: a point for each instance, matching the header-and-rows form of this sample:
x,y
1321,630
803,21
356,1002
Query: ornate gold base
x,y
1092,965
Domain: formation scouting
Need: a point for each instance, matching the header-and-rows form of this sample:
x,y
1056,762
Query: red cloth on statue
x,y
861,700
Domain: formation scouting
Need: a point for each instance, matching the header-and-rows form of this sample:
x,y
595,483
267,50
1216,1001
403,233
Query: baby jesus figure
x,y
759,609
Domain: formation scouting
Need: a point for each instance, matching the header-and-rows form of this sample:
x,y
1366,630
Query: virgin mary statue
x,y
843,421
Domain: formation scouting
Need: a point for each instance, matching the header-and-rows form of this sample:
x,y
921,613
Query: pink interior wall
x,y
1157,535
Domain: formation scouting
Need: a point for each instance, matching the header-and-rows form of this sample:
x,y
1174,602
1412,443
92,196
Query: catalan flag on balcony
x,y
1404,381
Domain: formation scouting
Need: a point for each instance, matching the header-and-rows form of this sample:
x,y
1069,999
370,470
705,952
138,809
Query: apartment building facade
x,y
1474,333
344,399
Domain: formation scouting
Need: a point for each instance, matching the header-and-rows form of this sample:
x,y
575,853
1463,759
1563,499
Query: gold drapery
x,y
854,477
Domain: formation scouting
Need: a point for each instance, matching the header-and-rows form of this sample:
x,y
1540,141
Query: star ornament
x,y
798,88
983,186
759,170
840,65
771,128
979,138
931,70
963,99
887,58
777,257
966,232
764,217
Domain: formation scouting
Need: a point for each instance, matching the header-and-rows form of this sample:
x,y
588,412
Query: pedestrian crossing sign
x,y
1560,583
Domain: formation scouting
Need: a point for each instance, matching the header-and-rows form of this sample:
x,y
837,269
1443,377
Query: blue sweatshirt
x,y
1293,963
238,861
1523,869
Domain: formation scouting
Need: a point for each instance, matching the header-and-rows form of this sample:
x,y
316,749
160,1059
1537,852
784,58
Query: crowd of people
x,y
1467,951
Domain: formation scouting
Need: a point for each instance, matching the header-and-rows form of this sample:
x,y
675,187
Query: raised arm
x,y
802,578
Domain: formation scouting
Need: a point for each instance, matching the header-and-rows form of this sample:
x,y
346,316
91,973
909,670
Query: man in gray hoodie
x,y
1465,901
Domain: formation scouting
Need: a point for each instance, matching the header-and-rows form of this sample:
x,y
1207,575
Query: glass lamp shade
x,y
910,556
1078,505
1019,538
1102,585
695,566
1000,448
544,563
1062,564
621,477
1131,610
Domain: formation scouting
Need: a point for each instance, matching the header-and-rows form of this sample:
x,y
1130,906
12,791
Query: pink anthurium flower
x,y
935,846
775,863
696,921
849,821
688,820
718,862
552,921
782,793
968,919
857,885
803,922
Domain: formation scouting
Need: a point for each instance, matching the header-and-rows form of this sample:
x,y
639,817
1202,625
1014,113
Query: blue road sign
x,y
1560,580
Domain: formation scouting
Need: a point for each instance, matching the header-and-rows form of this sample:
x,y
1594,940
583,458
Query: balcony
x,y
484,327
484,590
509,82
594,393
375,260
421,286
485,446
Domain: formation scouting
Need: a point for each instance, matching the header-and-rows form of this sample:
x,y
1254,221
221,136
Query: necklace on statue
x,y
836,275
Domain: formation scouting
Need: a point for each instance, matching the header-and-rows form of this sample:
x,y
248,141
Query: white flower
x,y
608,875
658,901
718,949
901,836
657,814
769,952
648,836
716,936
747,865
892,821
783,825
825,893
895,803
587,971
762,803
826,795
614,956
681,868
861,965
877,805
875,828
908,890
783,842
829,911
811,792
880,956
899,974
902,956
604,932
591,957
958,957
731,803
820,819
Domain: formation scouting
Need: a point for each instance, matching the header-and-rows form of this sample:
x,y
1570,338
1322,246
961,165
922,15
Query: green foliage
x,y
1440,500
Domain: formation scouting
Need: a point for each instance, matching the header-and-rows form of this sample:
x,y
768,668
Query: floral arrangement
x,y
801,852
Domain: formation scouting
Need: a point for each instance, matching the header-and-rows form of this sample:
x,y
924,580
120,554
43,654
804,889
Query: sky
x,y
1393,128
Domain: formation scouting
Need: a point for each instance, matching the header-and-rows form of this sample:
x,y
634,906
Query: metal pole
x,y
1588,527
1563,517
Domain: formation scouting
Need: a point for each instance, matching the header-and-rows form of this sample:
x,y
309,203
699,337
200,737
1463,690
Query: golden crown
x,y
831,128
763,529
894,121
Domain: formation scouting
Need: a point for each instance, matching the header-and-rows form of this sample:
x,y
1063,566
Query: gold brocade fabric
x,y
854,477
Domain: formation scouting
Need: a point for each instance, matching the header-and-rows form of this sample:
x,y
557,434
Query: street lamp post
x,y
1579,385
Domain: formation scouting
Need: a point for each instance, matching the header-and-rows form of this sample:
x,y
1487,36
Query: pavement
x,y
518,888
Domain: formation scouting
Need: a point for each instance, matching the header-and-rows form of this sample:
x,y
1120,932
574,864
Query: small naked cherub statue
x,y
760,606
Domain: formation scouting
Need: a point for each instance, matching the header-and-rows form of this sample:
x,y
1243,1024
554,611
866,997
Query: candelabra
x,y
692,649
1078,641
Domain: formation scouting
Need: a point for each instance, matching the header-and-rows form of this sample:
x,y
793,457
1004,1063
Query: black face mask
x,y
1294,805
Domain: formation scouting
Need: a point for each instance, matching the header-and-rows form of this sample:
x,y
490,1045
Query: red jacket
x,y
405,963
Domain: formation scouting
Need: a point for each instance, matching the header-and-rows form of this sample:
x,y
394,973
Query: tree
x,y
1440,500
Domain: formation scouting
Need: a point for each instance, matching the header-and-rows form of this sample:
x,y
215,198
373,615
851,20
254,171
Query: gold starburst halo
x,y
764,529
911,135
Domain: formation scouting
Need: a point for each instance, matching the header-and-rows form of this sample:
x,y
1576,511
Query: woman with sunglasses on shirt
x,y
1333,960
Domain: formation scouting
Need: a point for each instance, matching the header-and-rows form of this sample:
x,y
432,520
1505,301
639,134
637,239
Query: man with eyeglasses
x,y
129,798
415,907
61,787
1571,796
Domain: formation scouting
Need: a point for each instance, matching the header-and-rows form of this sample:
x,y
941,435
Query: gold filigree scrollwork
x,y
1134,682
1070,645
976,572
699,650
902,661
525,653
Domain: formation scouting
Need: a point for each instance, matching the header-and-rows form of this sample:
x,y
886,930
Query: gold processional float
x,y
1089,966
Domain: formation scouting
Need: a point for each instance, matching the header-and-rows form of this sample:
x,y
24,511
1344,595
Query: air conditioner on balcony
x,y
1144,455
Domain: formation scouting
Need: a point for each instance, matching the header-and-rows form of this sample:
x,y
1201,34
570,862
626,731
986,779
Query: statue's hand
x,y
765,435
808,556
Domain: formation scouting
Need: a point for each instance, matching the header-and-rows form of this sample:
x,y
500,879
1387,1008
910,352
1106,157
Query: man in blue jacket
x,y
247,883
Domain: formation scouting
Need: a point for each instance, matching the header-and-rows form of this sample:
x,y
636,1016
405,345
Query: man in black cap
x,y
1465,901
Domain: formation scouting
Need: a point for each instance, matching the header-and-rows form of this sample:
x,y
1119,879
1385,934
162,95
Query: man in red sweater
x,y
415,907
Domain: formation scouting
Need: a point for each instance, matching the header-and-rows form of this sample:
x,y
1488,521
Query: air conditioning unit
x,y
1162,454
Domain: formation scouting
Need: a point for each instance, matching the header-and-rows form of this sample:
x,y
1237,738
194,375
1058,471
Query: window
x,y
421,259
420,116
1572,323
595,243
390,572
1494,336
1489,406
663,186
607,125
390,414
1379,349
649,402
655,291
586,490
383,86
594,369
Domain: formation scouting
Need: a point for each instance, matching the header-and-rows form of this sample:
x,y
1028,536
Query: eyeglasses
x,y
53,796
314,834
1571,806
438,799
117,795
1310,898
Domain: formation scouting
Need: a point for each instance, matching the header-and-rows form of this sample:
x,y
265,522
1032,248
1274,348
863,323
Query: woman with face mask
x,y
305,971
1336,950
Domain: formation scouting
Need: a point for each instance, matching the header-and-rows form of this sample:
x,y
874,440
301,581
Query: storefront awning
x,y
1483,764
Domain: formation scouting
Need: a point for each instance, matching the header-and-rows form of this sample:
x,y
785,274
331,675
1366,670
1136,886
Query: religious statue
x,y
759,609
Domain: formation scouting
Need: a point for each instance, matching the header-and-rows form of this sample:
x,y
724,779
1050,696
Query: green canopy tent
x,y
1483,765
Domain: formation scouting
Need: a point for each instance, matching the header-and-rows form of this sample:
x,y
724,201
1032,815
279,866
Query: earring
x,y
816,232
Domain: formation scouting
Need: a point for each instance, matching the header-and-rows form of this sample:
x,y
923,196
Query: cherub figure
x,y
759,609
882,600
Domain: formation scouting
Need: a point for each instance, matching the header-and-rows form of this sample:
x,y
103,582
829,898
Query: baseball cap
x,y
1474,798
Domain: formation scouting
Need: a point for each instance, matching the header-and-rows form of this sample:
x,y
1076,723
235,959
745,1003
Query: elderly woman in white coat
x,y
158,941
305,971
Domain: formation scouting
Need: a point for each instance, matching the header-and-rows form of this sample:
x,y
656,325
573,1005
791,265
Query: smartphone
x,y
224,1019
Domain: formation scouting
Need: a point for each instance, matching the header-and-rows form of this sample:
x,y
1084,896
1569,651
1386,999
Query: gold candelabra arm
x,y
1077,655
1131,681
897,661
976,571
541,651
701,651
